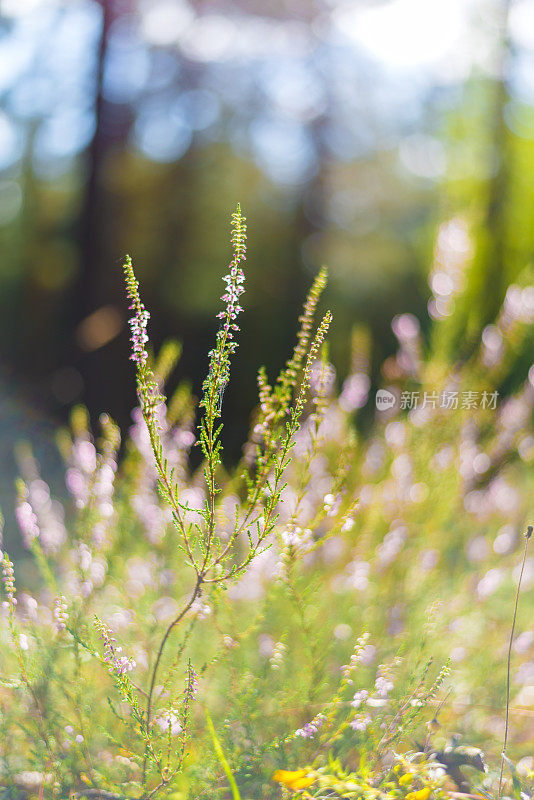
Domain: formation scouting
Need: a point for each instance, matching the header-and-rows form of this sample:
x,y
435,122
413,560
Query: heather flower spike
x,y
138,323
288,377
309,730
147,387
8,579
117,665
61,615
219,368
191,687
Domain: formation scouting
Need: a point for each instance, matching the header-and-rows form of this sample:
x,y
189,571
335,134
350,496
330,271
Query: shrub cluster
x,y
285,628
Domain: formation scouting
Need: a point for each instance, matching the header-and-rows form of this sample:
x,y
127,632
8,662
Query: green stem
x,y
528,534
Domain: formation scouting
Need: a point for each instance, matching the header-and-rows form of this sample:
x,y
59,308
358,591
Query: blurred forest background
x,y
347,129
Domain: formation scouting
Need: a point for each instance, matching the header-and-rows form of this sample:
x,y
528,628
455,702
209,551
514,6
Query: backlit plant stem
x,y
528,535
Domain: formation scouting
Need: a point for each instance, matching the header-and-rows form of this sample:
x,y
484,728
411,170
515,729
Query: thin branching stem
x,y
528,535
173,624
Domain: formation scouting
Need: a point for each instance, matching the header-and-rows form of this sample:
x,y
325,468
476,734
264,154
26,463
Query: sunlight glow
x,y
406,34
19,8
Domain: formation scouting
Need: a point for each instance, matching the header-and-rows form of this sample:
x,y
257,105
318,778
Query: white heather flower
x,y
356,657
489,583
377,702
168,719
60,613
277,658
8,580
383,686
359,697
322,379
32,780
328,501
360,722
524,641
201,609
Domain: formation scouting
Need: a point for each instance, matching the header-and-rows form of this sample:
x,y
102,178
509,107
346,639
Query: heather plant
x,y
328,619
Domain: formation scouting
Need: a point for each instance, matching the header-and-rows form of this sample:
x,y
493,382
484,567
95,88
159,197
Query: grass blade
x,y
222,758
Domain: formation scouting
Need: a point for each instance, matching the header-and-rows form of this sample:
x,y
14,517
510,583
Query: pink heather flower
x,y
360,722
355,392
492,345
234,288
138,323
39,516
359,698
82,465
191,688
139,337
124,663
118,665
27,522
310,728
405,327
